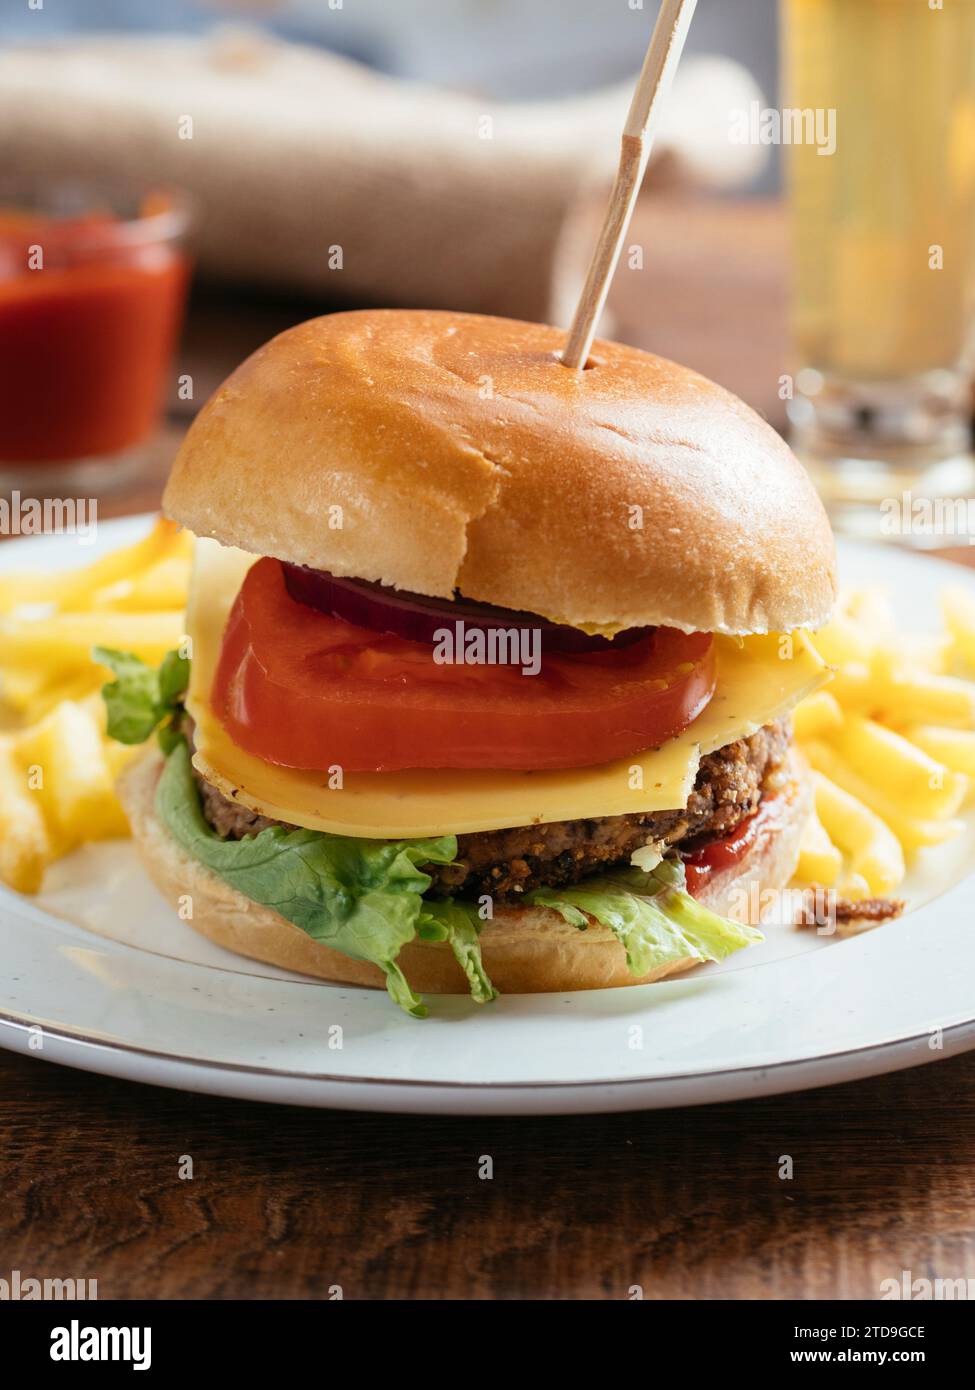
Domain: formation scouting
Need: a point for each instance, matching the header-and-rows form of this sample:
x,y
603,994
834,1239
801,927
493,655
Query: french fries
x,y
924,698
855,888
819,860
916,697
74,590
843,641
908,775
913,832
892,742
25,843
816,715
65,640
161,587
66,754
132,599
874,850
955,748
57,767
75,686
958,610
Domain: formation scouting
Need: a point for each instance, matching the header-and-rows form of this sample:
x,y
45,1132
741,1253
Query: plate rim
x,y
500,1098
76,1038
77,1046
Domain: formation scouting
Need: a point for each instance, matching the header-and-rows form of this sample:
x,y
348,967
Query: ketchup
x,y
728,850
86,336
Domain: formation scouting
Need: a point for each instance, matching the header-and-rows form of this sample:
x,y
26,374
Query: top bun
x,y
436,451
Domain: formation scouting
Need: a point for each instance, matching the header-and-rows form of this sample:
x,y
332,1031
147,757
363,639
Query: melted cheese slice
x,y
758,680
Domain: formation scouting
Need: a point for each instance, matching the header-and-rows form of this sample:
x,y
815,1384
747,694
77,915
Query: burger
x,y
489,663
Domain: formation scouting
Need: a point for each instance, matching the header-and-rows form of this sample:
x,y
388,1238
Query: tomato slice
x,y
300,688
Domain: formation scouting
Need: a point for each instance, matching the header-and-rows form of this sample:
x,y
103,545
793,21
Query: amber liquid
x,y
874,296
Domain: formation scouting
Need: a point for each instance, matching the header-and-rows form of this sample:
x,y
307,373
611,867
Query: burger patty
x,y
505,863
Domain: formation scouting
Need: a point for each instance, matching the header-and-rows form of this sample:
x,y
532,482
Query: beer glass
x,y
883,228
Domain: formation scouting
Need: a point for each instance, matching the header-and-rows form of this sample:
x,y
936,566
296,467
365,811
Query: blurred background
x,y
508,49
283,158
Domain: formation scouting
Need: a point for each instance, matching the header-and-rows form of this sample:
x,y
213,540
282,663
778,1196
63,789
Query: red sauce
x,y
728,850
86,340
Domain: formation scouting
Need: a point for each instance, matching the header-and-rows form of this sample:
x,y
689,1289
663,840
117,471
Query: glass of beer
x,y
883,234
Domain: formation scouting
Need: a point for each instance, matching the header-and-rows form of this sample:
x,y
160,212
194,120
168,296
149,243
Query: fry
x,y
817,714
958,610
913,832
78,686
911,778
73,589
854,888
65,640
921,652
955,748
76,789
20,686
842,641
904,698
819,859
25,846
873,848
929,700
34,693
163,586
57,766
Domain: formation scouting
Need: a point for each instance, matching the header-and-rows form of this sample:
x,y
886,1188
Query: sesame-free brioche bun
x,y
526,950
437,451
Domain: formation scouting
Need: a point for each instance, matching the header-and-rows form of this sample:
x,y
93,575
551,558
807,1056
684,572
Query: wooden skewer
x,y
659,66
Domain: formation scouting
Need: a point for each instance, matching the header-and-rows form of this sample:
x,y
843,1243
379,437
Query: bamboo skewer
x,y
659,66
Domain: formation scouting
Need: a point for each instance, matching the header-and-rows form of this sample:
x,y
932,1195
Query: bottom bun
x,y
526,950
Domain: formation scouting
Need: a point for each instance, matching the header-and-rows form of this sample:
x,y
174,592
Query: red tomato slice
x,y
297,687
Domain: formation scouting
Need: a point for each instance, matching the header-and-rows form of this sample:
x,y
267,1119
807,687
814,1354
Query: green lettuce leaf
x,y
651,914
361,897
143,698
458,922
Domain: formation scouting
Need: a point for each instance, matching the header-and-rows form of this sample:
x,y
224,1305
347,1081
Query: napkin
x,y
309,172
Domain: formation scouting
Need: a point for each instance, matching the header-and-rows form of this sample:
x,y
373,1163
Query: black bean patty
x,y
505,863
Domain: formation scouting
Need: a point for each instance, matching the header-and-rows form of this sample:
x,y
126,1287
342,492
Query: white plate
x,y
111,981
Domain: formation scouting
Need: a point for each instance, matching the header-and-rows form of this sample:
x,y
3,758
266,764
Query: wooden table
x,y
285,1203
687,1204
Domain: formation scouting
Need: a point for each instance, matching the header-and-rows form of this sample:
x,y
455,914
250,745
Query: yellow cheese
x,y
758,680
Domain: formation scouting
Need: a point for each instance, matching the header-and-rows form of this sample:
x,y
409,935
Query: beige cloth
x,y
435,198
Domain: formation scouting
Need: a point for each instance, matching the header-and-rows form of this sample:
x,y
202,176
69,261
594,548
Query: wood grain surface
x,y
686,1204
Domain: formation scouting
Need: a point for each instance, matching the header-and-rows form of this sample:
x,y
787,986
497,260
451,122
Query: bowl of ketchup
x,y
93,284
